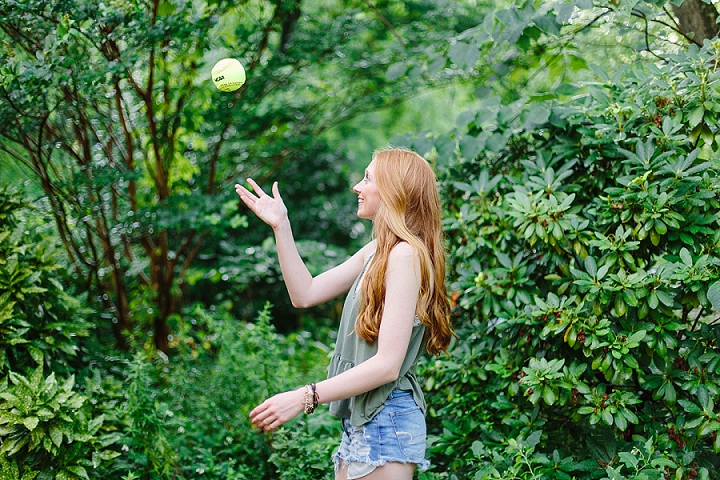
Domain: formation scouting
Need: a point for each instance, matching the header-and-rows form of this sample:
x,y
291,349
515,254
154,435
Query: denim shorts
x,y
396,434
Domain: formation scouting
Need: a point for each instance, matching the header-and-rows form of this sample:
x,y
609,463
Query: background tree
x,y
111,108
697,20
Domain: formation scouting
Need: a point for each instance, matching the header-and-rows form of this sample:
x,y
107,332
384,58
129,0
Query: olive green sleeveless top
x,y
351,350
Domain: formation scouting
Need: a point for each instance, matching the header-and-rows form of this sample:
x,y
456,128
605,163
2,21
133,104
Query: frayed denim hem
x,y
360,466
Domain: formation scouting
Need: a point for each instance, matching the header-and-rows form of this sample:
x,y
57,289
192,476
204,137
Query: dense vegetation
x,y
585,270
581,196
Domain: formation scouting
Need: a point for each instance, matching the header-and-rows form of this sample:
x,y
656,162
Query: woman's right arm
x,y
304,289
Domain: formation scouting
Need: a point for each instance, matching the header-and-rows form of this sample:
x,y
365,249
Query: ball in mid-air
x,y
228,75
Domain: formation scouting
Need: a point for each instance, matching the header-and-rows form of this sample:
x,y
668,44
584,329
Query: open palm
x,y
270,210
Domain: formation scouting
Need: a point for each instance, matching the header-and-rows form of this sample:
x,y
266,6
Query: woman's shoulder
x,y
402,249
367,251
403,254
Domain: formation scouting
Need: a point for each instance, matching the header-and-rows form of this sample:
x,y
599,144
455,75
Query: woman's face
x,y
368,195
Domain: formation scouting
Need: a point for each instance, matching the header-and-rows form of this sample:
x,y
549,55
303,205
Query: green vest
x,y
350,350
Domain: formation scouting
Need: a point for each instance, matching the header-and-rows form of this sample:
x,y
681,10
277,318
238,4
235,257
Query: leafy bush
x,y
584,256
304,451
48,429
150,416
39,321
187,416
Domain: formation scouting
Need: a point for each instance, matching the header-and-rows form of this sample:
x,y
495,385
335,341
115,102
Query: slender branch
x,y
565,45
702,309
385,21
647,33
192,254
676,28
17,157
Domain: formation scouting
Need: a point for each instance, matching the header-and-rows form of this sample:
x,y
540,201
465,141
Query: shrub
x,y
106,414
48,429
304,451
187,416
39,321
584,255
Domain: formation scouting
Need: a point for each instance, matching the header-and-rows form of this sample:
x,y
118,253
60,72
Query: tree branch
x,y
385,21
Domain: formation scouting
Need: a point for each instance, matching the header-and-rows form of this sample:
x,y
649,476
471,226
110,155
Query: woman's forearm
x,y
365,377
295,274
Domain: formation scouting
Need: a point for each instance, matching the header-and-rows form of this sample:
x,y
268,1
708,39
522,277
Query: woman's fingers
x,y
245,194
277,410
259,191
263,417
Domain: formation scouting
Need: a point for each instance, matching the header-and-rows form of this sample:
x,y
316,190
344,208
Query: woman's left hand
x,y
278,409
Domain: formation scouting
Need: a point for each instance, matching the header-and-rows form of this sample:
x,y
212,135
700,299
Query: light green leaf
x,y
504,260
590,266
79,471
696,116
464,55
686,257
31,423
713,294
533,439
396,70
56,435
548,395
539,113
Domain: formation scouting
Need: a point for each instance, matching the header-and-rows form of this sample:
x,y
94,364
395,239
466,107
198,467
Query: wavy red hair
x,y
409,212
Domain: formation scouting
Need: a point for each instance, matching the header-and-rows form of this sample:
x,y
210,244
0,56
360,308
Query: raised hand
x,y
270,210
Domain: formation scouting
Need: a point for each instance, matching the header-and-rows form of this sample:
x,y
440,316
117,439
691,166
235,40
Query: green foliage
x,y
146,423
39,320
48,432
304,452
189,418
141,418
246,274
584,267
48,428
111,107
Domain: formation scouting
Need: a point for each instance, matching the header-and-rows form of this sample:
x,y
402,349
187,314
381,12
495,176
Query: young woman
x,y
396,308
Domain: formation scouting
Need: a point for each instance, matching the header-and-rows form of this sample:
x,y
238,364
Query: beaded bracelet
x,y
311,399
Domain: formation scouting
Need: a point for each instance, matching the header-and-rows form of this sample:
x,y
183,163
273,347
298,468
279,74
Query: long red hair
x,y
409,212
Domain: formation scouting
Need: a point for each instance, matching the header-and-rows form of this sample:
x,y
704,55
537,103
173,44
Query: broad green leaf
x,y
686,257
504,260
79,471
396,70
56,434
533,439
629,459
696,116
464,55
713,294
590,266
31,423
548,395
539,113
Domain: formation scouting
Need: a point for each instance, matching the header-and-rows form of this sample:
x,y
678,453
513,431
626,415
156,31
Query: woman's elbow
x,y
299,303
391,374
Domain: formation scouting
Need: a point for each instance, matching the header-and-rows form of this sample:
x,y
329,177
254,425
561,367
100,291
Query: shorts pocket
x,y
411,433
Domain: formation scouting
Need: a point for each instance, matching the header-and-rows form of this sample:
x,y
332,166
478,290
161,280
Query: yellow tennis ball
x,y
228,75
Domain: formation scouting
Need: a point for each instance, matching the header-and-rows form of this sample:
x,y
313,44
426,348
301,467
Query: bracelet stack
x,y
311,399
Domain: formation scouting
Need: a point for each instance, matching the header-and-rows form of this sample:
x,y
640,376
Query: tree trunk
x,y
697,20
